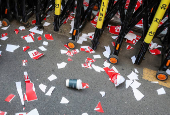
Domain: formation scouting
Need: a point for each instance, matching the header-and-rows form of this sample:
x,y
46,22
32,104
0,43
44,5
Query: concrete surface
x,y
117,101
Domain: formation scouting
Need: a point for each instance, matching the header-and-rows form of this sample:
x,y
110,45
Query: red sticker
x,y
48,37
39,38
99,108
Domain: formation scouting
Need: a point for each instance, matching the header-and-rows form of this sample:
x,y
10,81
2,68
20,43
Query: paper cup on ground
x,y
74,83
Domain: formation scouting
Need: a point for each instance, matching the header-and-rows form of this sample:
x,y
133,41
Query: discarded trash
x,y
138,95
102,93
39,38
0,53
107,52
96,56
133,76
52,77
128,47
33,112
25,48
74,83
168,71
99,108
46,24
4,34
133,58
128,83
69,59
33,22
35,30
11,48
24,62
10,97
4,38
136,71
21,28
34,54
61,65
19,89
97,68
87,49
161,91
84,114
45,43
23,113
50,91
42,87
106,64
3,113
5,28
42,48
64,101
155,52
135,84
16,31
48,36
114,29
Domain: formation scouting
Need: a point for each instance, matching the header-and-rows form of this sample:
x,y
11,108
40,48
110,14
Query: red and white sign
x,y
90,60
69,53
48,37
4,34
16,31
99,108
113,43
115,29
10,97
155,51
128,47
85,85
94,21
30,92
87,49
85,3
3,113
34,54
26,48
66,46
24,62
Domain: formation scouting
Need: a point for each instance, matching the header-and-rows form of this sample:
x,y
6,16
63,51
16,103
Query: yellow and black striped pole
x,y
103,8
57,15
152,30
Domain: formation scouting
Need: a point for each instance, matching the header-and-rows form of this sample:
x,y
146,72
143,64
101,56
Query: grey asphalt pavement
x,y
117,101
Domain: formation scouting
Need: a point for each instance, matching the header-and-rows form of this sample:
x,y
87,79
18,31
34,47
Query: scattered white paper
x,y
4,38
138,95
42,48
52,77
168,71
81,39
115,69
46,24
84,114
90,34
161,91
29,39
96,56
22,28
130,36
42,87
50,91
102,93
11,48
64,100
33,112
97,68
136,71
45,43
107,52
0,53
61,65
135,84
154,81
133,58
36,31
5,28
120,79
114,37
128,83
106,64
133,76
23,113
72,26
63,51
19,89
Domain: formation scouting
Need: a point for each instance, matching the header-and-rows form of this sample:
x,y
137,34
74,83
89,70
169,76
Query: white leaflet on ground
x,y
50,91
106,54
42,48
106,64
84,46
108,49
22,113
11,48
90,34
64,100
133,58
29,39
46,24
161,91
84,35
80,40
97,68
72,26
128,83
36,31
138,95
133,76
130,36
136,71
45,43
120,79
114,37
52,77
19,89
168,71
102,93
96,56
135,84
22,28
5,28
0,53
63,51
42,87
33,112
4,38
61,65
84,114
154,81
